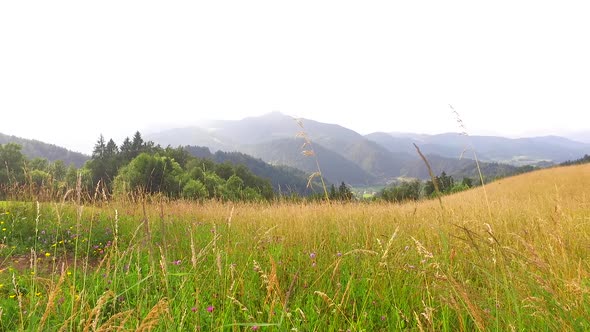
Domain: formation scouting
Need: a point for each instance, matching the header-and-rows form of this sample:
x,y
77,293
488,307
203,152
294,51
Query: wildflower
x,y
194,309
47,254
339,254
4,229
210,308
12,296
312,255
177,262
383,317
255,328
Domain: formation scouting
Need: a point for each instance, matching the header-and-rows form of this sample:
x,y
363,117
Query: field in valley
x,y
516,257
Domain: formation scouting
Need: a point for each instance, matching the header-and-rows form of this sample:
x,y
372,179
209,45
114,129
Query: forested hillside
x,y
36,149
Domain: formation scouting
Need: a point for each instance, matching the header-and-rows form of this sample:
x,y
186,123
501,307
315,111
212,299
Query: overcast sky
x,y
70,70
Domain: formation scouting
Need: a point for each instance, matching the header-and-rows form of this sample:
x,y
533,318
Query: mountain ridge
x,y
377,158
33,148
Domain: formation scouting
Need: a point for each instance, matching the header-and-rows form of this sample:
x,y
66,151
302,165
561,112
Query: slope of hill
x,y
37,149
335,168
548,190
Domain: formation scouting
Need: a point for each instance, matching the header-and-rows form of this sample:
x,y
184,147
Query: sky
x,y
71,70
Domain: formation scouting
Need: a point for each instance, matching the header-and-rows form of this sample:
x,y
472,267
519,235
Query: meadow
x,y
515,257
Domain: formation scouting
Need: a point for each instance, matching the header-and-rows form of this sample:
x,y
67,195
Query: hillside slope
x,y
37,149
548,191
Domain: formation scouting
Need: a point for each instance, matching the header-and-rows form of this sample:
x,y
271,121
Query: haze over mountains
x,y
377,158
343,154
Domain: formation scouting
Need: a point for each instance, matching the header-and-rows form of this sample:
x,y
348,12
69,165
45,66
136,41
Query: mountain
x,y
344,154
334,167
520,151
37,149
378,158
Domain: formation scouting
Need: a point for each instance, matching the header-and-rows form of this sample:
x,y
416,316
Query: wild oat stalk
x,y
470,147
308,151
431,173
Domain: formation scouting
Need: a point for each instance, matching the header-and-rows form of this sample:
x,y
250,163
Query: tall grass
x,y
311,266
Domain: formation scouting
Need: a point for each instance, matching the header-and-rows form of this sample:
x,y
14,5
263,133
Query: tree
x,y
333,193
233,188
126,151
224,170
41,164
104,163
137,145
194,189
39,177
344,193
409,190
11,164
152,174
180,155
58,170
468,182
213,183
99,148
445,182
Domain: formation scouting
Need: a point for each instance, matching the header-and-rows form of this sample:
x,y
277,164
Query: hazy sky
x,y
70,70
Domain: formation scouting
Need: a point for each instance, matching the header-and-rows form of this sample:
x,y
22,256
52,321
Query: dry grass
x,y
355,266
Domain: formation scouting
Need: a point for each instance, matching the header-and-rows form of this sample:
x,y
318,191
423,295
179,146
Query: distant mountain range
x,y
345,155
342,154
33,149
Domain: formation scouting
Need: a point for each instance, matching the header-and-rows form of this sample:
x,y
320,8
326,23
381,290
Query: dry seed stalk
x,y
152,318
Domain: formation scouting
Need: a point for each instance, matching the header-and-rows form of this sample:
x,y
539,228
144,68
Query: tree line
x,y
415,189
135,166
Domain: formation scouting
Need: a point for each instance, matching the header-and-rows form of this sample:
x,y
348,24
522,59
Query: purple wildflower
x,y
210,308
312,255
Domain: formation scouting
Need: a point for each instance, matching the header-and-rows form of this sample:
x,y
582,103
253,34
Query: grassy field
x,y
518,260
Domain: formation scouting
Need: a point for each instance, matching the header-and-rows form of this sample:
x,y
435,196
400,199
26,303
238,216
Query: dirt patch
x,y
47,265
